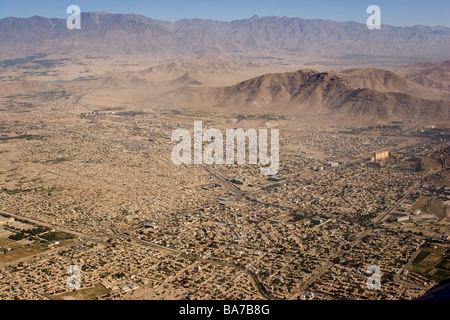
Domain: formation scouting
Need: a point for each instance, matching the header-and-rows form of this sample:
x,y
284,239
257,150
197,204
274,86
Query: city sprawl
x,y
101,193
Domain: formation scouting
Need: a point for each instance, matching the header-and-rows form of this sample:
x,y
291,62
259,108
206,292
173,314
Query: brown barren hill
x,y
434,75
387,81
308,92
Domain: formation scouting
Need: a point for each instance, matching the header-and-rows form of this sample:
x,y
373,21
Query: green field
x,y
83,294
430,206
56,236
432,264
22,252
5,242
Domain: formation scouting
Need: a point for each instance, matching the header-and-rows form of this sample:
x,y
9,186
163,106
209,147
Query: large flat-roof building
x,y
380,156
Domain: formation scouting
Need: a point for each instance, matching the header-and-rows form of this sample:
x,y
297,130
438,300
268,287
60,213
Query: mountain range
x,y
108,34
237,67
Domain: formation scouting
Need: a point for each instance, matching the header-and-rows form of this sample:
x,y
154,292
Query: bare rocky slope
x,y
436,75
312,93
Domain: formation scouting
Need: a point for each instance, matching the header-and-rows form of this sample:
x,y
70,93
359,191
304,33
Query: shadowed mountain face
x,y
108,34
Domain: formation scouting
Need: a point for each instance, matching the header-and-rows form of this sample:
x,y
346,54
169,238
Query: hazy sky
x,y
394,12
